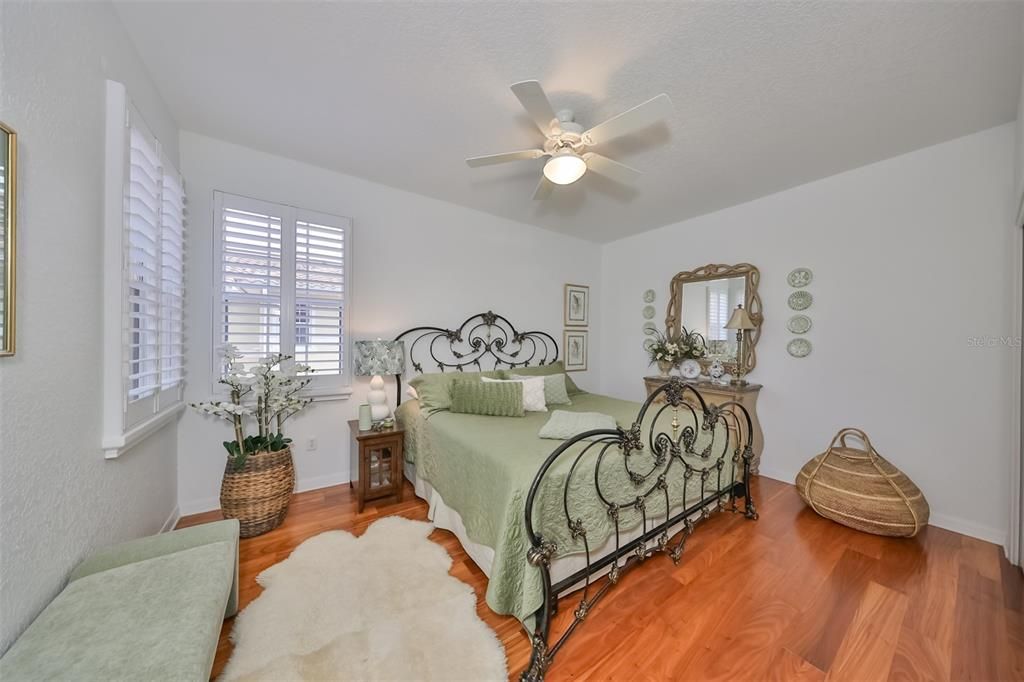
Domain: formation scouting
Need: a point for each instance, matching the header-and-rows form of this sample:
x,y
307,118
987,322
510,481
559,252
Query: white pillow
x,y
533,392
411,392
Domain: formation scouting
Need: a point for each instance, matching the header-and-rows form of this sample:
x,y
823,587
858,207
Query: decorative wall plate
x,y
799,324
799,348
650,329
800,300
649,296
647,344
800,278
649,312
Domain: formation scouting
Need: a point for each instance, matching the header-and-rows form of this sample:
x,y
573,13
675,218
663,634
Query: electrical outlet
x,y
311,443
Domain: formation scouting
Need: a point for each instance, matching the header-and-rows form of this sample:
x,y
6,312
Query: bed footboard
x,y
673,449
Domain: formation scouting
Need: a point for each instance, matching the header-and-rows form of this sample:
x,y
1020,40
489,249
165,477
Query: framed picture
x,y
575,341
577,305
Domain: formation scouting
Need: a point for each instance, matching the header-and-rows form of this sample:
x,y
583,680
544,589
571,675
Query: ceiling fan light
x,y
565,168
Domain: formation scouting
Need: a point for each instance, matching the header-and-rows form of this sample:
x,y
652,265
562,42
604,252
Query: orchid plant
x,y
268,392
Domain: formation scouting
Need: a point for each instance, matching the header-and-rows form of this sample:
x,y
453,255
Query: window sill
x,y
328,394
116,445
319,394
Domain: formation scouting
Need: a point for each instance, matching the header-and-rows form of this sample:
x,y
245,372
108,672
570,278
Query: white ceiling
x,y
766,95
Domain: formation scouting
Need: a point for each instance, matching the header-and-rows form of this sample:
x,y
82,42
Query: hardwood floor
x,y
788,597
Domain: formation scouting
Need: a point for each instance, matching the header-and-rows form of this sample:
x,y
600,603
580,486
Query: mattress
x,y
476,471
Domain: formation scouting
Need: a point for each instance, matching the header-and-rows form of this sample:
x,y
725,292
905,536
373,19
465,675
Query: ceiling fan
x,y
566,142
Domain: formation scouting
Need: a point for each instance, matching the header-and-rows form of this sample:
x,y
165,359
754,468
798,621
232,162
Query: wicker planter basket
x,y
258,494
860,489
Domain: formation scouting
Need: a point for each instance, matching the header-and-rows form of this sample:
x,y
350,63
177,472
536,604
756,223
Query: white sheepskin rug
x,y
378,607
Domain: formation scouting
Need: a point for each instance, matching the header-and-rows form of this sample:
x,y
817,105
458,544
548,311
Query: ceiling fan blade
x,y
614,170
536,103
544,188
636,118
475,161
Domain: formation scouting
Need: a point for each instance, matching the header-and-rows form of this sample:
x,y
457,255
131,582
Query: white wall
x,y
59,498
911,257
416,261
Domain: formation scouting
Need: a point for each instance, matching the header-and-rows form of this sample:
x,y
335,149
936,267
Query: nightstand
x,y
376,463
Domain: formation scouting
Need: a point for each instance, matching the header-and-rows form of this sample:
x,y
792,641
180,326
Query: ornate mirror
x,y
702,300
8,158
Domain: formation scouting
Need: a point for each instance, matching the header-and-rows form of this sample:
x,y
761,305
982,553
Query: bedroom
x,y
870,155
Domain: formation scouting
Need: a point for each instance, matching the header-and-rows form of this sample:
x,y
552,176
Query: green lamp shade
x,y
375,358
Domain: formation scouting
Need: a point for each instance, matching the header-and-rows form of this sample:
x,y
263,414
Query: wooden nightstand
x,y
716,394
376,463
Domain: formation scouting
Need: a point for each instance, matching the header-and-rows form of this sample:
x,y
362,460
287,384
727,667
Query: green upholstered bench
x,y
149,609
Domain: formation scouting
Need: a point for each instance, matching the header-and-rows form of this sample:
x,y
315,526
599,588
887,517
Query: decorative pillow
x,y
555,367
411,392
491,398
554,388
564,424
434,389
533,392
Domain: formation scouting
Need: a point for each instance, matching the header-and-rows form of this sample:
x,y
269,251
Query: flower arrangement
x,y
269,392
673,349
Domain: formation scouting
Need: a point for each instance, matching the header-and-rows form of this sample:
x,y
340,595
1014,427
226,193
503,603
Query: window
x,y
718,310
282,283
144,284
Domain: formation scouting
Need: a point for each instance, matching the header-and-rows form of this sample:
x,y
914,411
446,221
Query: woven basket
x,y
258,494
860,489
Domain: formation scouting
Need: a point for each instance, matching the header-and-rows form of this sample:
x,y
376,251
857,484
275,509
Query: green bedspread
x,y
483,468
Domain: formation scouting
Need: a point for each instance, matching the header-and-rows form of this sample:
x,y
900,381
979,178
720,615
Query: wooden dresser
x,y
716,395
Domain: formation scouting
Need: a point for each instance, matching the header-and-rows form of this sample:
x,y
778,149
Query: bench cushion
x,y
165,543
155,619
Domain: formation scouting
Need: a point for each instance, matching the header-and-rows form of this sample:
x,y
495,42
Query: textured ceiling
x,y
766,95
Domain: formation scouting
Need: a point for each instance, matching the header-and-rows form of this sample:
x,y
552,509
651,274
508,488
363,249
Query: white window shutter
x,y
143,245
250,256
172,275
320,253
283,276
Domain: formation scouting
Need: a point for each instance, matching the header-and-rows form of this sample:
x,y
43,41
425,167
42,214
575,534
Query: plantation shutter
x,y
142,221
250,253
172,276
320,248
718,311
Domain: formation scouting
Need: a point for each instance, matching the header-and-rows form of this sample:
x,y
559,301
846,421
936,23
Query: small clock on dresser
x,y
716,370
690,369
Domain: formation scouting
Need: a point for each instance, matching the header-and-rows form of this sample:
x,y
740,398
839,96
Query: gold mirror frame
x,y
9,245
673,314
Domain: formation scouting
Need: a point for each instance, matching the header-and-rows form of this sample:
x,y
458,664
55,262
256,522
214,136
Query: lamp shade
x,y
374,358
740,320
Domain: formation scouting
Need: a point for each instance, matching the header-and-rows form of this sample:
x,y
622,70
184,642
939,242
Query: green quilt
x,y
483,468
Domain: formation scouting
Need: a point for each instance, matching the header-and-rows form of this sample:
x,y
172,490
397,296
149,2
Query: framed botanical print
x,y
577,305
575,341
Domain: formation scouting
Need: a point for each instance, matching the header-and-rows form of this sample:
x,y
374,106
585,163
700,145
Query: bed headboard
x,y
483,339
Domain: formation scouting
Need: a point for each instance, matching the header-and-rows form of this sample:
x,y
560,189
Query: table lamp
x,y
374,359
741,322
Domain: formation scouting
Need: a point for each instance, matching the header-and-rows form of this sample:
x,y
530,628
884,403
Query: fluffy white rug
x,y
378,607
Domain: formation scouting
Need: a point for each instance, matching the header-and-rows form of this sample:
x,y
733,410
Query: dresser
x,y
716,394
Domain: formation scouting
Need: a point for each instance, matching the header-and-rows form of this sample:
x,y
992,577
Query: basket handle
x,y
851,431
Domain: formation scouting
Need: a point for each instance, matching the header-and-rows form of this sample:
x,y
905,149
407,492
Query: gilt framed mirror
x,y
702,300
8,201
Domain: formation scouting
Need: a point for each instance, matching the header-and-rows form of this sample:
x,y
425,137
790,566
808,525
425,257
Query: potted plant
x,y
259,475
668,350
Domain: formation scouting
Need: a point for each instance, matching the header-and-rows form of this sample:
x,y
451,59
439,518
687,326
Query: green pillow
x,y
555,367
434,389
487,398
554,387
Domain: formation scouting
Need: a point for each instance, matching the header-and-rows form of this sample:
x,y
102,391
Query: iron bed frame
x,y
488,335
